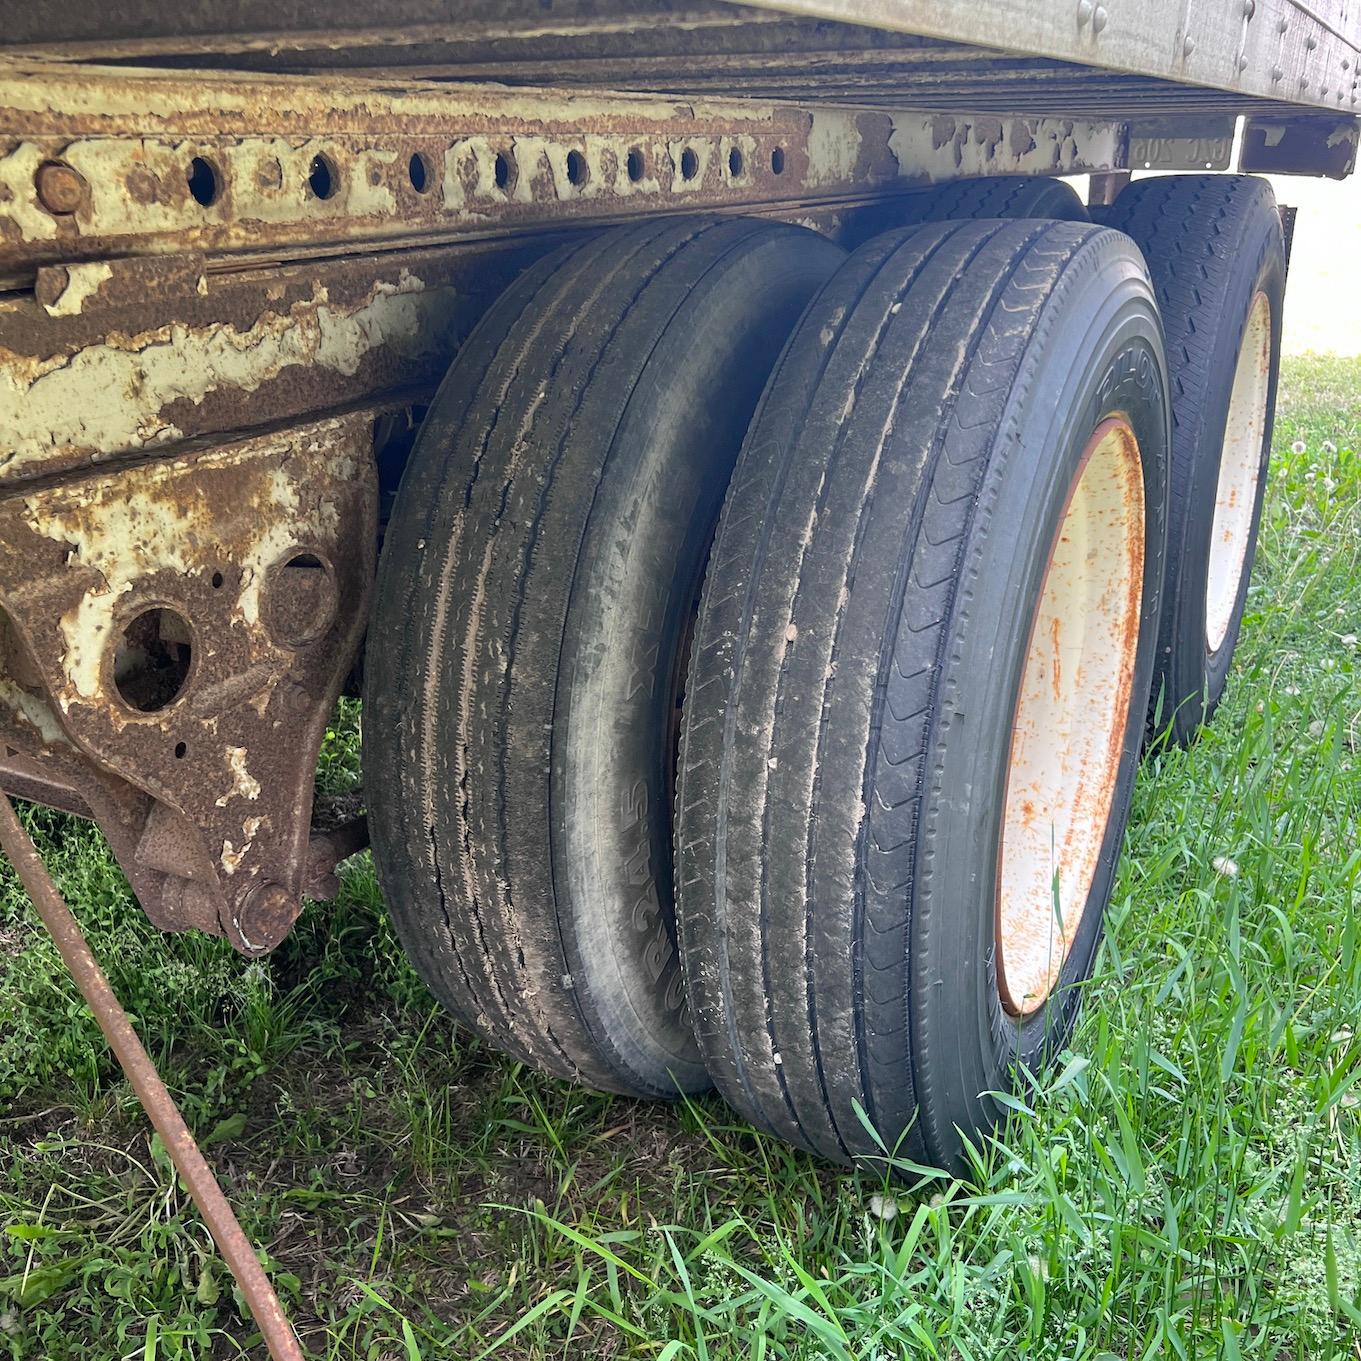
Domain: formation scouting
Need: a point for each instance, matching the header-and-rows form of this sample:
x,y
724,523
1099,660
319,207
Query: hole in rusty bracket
x,y
152,660
300,599
418,168
735,162
577,170
636,165
322,176
203,181
777,160
689,166
501,170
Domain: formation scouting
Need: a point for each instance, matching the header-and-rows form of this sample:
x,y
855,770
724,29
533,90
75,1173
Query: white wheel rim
x,y
1240,470
1068,730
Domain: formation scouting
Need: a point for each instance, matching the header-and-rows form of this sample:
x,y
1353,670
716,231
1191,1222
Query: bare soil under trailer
x,y
765,510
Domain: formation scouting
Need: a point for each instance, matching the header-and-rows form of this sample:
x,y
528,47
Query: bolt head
x,y
1084,11
1188,45
267,915
1249,8
1099,18
59,188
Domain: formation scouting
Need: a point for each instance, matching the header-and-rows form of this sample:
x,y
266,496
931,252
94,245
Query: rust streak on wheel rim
x,y
1240,469
1071,714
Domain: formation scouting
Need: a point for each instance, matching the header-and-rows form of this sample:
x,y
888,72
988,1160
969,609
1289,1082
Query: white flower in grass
x,y
883,1207
1292,689
1327,664
1329,484
1316,728
9,1321
1329,447
1223,865
1348,640
1298,447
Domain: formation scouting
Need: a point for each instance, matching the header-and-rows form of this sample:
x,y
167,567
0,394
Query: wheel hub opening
x,y
1070,719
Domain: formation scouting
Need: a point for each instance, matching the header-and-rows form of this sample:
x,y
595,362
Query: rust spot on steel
x,y
176,636
160,1107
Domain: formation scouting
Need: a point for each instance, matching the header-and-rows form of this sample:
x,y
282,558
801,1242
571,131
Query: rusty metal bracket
x,y
151,1091
176,634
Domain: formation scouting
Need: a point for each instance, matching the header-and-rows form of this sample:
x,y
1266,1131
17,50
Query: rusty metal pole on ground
x,y
151,1091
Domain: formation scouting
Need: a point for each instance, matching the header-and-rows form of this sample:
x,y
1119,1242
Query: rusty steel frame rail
x,y
106,162
160,1107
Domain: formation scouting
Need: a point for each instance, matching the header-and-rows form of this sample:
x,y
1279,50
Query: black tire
x,y
857,658
1006,196
1213,244
538,576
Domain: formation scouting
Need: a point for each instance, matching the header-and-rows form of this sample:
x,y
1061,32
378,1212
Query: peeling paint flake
x,y
833,147
244,784
83,281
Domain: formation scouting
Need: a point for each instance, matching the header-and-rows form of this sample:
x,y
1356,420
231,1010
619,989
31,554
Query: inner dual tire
x,y
534,598
919,680
1216,255
1003,196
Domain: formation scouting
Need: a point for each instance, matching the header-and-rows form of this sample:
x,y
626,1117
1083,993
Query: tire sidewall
x,y
1073,378
636,582
1194,672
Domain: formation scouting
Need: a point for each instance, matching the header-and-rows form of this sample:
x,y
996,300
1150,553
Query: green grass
x,y
1188,1185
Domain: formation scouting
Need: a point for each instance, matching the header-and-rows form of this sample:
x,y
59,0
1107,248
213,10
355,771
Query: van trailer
x,y
765,508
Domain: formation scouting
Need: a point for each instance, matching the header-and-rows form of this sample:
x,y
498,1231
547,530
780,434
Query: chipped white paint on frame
x,y
82,282
833,147
244,784
149,519
110,397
